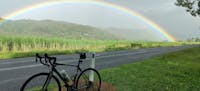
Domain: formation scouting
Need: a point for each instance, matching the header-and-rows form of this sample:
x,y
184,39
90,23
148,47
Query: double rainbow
x,y
130,12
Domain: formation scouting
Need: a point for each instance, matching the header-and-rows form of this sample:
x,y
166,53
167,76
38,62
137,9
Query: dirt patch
x,y
107,87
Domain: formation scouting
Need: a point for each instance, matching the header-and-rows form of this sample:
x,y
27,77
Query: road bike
x,y
56,81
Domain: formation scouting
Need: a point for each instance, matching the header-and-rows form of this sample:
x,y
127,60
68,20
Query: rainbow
x,y
130,12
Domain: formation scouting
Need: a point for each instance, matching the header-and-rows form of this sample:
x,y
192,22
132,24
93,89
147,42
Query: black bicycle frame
x,y
54,70
51,62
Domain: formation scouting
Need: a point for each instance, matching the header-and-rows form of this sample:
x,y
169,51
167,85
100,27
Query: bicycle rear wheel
x,y
85,83
37,83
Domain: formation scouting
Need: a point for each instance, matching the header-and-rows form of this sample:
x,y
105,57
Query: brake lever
x,y
46,57
36,60
36,57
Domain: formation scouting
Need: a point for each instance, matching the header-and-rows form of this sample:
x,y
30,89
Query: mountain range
x,y
51,28
61,29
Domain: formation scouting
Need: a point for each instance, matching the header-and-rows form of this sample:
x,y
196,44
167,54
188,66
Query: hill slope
x,y
133,34
50,28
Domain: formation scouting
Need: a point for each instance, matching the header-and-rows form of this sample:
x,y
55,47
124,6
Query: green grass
x,y
12,47
178,71
51,87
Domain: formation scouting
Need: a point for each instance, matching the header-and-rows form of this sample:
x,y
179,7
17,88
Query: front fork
x,y
73,87
44,88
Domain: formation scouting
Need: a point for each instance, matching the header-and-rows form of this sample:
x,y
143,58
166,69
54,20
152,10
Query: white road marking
x,y
13,79
13,62
21,67
30,66
32,59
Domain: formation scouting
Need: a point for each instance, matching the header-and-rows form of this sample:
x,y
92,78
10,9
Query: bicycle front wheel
x,y
41,82
88,82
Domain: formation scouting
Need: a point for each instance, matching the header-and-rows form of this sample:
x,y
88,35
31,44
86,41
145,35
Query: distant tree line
x,y
1,18
194,40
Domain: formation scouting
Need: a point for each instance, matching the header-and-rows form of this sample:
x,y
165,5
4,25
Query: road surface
x,y
13,72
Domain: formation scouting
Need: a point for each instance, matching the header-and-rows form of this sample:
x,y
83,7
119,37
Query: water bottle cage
x,y
80,60
66,79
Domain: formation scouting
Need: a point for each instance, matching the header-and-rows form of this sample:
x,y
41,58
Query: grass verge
x,y
178,71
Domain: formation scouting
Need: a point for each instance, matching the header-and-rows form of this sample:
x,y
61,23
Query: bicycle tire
x,y
23,88
89,86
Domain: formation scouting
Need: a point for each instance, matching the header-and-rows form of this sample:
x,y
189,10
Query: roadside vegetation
x,y
178,71
12,47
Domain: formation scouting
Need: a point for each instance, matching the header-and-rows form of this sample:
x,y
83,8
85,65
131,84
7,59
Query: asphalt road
x,y
13,72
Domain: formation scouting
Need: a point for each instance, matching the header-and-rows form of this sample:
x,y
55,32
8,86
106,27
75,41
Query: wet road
x,y
13,72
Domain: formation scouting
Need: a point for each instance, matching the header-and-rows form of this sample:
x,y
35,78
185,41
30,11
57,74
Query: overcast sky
x,y
163,12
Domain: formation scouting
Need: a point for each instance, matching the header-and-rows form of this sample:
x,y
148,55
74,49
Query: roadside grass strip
x,y
177,71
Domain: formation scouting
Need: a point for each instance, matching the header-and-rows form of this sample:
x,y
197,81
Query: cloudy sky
x,y
173,19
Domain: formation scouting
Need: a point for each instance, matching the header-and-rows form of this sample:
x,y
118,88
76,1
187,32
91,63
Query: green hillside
x,y
50,28
134,34
1,18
